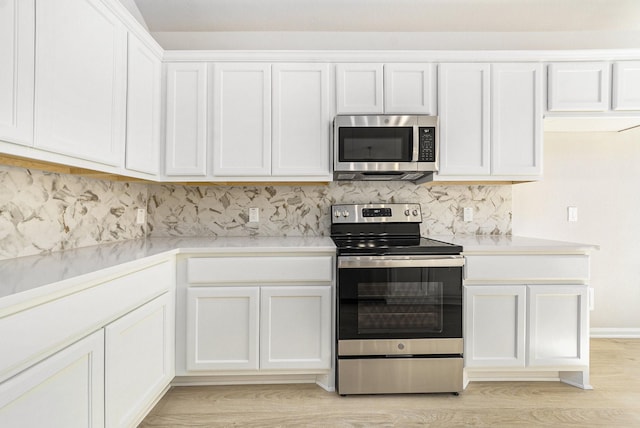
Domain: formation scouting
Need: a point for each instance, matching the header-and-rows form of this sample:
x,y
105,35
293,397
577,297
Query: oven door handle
x,y
354,262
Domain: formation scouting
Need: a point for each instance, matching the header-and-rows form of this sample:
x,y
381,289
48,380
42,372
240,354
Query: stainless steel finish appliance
x,y
399,303
385,147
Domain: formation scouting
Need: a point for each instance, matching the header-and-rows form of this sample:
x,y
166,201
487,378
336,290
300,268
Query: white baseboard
x,y
611,333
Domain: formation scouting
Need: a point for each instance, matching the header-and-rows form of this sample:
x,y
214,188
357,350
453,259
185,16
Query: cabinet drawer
x,y
259,269
35,333
527,267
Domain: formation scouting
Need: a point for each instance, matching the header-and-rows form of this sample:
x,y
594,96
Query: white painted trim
x,y
244,379
402,55
614,333
133,26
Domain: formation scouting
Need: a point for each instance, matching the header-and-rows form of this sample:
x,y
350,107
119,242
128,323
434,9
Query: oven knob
x,y
415,213
401,346
345,213
337,213
407,212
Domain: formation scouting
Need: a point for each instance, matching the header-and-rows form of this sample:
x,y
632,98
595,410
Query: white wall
x,y
447,40
598,173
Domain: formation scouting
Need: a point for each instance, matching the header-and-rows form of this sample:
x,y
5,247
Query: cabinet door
x,y
410,89
359,88
516,119
222,328
17,30
463,106
186,139
626,85
143,108
65,390
579,86
295,326
139,363
494,326
242,120
301,120
558,325
81,80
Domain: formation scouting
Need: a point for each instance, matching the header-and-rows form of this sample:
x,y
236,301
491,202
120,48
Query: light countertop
x,y
476,244
56,274
35,276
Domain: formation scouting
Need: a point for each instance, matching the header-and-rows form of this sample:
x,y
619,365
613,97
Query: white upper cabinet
x,y
359,88
143,108
301,118
463,105
186,132
242,119
386,88
80,81
490,121
516,119
17,29
579,86
626,85
410,89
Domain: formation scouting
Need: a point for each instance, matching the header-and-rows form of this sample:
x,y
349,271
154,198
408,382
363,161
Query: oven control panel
x,y
376,213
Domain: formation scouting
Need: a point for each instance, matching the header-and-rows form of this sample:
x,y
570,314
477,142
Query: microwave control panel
x,y
427,144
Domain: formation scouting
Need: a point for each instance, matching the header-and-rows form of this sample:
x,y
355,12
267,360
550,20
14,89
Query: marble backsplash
x,y
42,212
304,210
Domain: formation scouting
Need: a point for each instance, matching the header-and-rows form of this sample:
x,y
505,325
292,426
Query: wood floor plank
x,y
614,402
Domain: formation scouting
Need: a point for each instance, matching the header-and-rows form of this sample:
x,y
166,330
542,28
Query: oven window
x,y
383,303
399,306
394,144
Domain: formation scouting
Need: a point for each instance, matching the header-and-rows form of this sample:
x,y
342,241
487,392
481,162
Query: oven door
x,y
399,297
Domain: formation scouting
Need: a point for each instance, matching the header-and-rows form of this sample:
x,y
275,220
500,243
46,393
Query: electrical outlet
x,y
467,214
572,214
254,215
141,216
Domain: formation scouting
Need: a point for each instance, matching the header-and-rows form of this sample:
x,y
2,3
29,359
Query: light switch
x,y
572,213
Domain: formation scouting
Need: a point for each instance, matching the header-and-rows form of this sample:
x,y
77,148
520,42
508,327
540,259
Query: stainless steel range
x,y
399,303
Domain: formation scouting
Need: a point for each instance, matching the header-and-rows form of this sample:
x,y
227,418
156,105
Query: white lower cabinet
x,y
64,390
495,326
222,328
558,329
526,326
250,328
295,327
139,361
100,356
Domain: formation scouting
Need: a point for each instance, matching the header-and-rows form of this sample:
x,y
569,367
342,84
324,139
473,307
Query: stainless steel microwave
x,y
385,147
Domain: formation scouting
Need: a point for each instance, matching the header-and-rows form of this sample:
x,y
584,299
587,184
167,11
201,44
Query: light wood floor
x,y
614,402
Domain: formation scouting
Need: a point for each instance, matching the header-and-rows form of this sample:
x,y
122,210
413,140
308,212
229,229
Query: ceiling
x,y
390,15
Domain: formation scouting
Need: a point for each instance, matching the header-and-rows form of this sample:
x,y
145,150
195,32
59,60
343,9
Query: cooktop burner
x,y
383,229
395,246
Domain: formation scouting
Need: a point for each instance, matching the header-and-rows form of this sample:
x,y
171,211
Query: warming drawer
x,y
399,375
